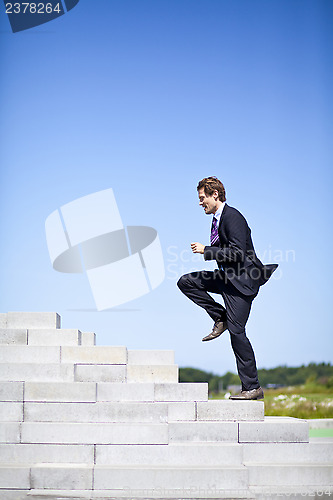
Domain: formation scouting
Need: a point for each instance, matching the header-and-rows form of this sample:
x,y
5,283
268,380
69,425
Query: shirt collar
x,y
218,213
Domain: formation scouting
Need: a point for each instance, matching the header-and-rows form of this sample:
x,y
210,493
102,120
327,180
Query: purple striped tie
x,y
214,234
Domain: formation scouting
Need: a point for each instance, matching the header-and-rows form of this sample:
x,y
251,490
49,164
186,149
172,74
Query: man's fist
x,y
197,248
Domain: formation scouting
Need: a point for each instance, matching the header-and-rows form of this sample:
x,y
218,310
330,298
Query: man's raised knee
x,y
181,283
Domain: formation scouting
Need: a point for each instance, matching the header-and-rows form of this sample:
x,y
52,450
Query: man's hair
x,y
211,184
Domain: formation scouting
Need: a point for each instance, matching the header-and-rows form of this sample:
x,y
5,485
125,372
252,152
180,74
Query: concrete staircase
x,y
89,422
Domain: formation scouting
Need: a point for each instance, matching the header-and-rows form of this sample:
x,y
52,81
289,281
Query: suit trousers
x,y
236,312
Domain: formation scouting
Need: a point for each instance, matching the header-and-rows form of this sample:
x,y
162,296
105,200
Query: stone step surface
x,y
194,432
67,354
11,411
295,492
11,391
65,347
149,391
312,452
29,354
224,410
275,430
182,454
314,474
67,476
94,355
137,357
46,337
123,478
189,493
94,433
173,432
60,392
70,372
22,453
152,373
53,337
14,320
11,336
104,391
88,339
10,432
100,373
91,411
34,372
95,412
126,373
163,478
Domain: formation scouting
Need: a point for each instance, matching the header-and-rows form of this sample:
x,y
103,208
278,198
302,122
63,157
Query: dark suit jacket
x,y
235,254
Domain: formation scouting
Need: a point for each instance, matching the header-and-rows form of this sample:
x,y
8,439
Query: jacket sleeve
x,y
236,230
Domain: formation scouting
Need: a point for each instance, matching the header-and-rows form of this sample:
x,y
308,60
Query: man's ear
x,y
215,195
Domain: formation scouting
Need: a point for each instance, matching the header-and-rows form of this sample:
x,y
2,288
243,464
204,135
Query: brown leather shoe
x,y
253,394
218,328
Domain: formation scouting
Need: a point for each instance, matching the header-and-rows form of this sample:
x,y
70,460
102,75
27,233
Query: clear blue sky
x,y
148,97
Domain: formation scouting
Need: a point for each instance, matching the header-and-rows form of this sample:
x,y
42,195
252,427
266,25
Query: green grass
x,y
321,432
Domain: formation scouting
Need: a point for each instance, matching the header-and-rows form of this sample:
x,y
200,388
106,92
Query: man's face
x,y
209,203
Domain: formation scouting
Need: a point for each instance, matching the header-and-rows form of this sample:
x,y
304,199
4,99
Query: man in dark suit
x,y
239,275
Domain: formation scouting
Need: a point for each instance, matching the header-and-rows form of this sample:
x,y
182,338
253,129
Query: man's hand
x,y
197,248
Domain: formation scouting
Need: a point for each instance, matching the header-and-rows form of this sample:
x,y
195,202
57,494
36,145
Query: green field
x,y
322,433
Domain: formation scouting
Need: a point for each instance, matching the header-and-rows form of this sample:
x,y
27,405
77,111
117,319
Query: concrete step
x,y
14,476
177,480
11,411
94,433
94,412
11,336
181,392
126,480
100,373
137,357
102,391
230,410
119,411
48,453
179,454
139,494
117,391
35,372
46,337
320,452
194,432
152,373
126,373
67,476
11,391
88,338
60,391
299,492
313,474
10,432
53,337
30,320
29,354
103,412
145,391
94,355
274,429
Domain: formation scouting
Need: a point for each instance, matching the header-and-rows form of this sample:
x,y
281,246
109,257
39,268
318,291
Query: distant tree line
x,y
313,373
